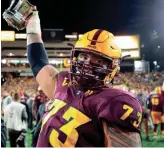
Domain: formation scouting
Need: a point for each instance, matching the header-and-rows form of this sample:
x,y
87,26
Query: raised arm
x,y
45,73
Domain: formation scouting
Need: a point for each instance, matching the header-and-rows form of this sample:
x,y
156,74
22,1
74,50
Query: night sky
x,y
120,17
83,15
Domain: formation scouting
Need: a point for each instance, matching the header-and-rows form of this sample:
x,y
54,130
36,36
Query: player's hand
x,y
33,24
34,18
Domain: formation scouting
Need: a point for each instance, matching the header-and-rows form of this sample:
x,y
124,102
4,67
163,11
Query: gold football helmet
x,y
95,59
157,90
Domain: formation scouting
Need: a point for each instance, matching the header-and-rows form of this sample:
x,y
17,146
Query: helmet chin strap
x,y
110,77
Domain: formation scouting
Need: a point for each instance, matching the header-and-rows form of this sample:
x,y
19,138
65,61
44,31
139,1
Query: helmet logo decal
x,y
95,37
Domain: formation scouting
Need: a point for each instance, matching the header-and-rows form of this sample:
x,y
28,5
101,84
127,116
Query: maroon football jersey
x,y
155,100
74,119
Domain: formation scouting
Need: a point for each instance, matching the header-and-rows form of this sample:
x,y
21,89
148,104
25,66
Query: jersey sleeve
x,y
124,111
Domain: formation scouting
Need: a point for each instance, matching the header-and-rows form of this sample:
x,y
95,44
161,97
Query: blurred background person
x,y
40,98
36,130
39,108
30,117
7,99
145,113
155,107
162,117
3,133
15,116
3,125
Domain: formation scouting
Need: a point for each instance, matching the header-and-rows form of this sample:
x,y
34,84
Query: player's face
x,y
91,69
93,60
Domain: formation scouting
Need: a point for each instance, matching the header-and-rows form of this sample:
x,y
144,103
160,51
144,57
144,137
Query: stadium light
x,y
71,36
24,36
61,54
4,61
155,62
14,61
155,66
80,35
7,35
10,54
127,42
56,61
20,36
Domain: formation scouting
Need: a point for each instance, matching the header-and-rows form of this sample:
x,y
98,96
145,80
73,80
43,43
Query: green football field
x,y
154,142
159,142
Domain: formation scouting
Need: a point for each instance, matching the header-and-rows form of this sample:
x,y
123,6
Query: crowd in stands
x,y
135,81
132,81
23,65
22,85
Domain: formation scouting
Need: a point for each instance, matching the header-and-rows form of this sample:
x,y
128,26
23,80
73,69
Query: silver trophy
x,y
18,13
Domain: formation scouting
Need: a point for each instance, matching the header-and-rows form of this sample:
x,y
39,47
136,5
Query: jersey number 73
x,y
78,119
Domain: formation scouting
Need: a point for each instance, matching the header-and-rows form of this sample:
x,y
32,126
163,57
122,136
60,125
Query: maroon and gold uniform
x,y
74,119
156,108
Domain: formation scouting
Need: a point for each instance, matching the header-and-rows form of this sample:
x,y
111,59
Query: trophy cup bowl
x,y
18,13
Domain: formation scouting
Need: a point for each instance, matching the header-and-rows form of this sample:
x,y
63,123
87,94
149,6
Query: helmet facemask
x,y
91,70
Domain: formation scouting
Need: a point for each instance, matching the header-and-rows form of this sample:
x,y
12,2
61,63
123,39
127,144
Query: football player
x,y
162,103
155,108
39,99
85,112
